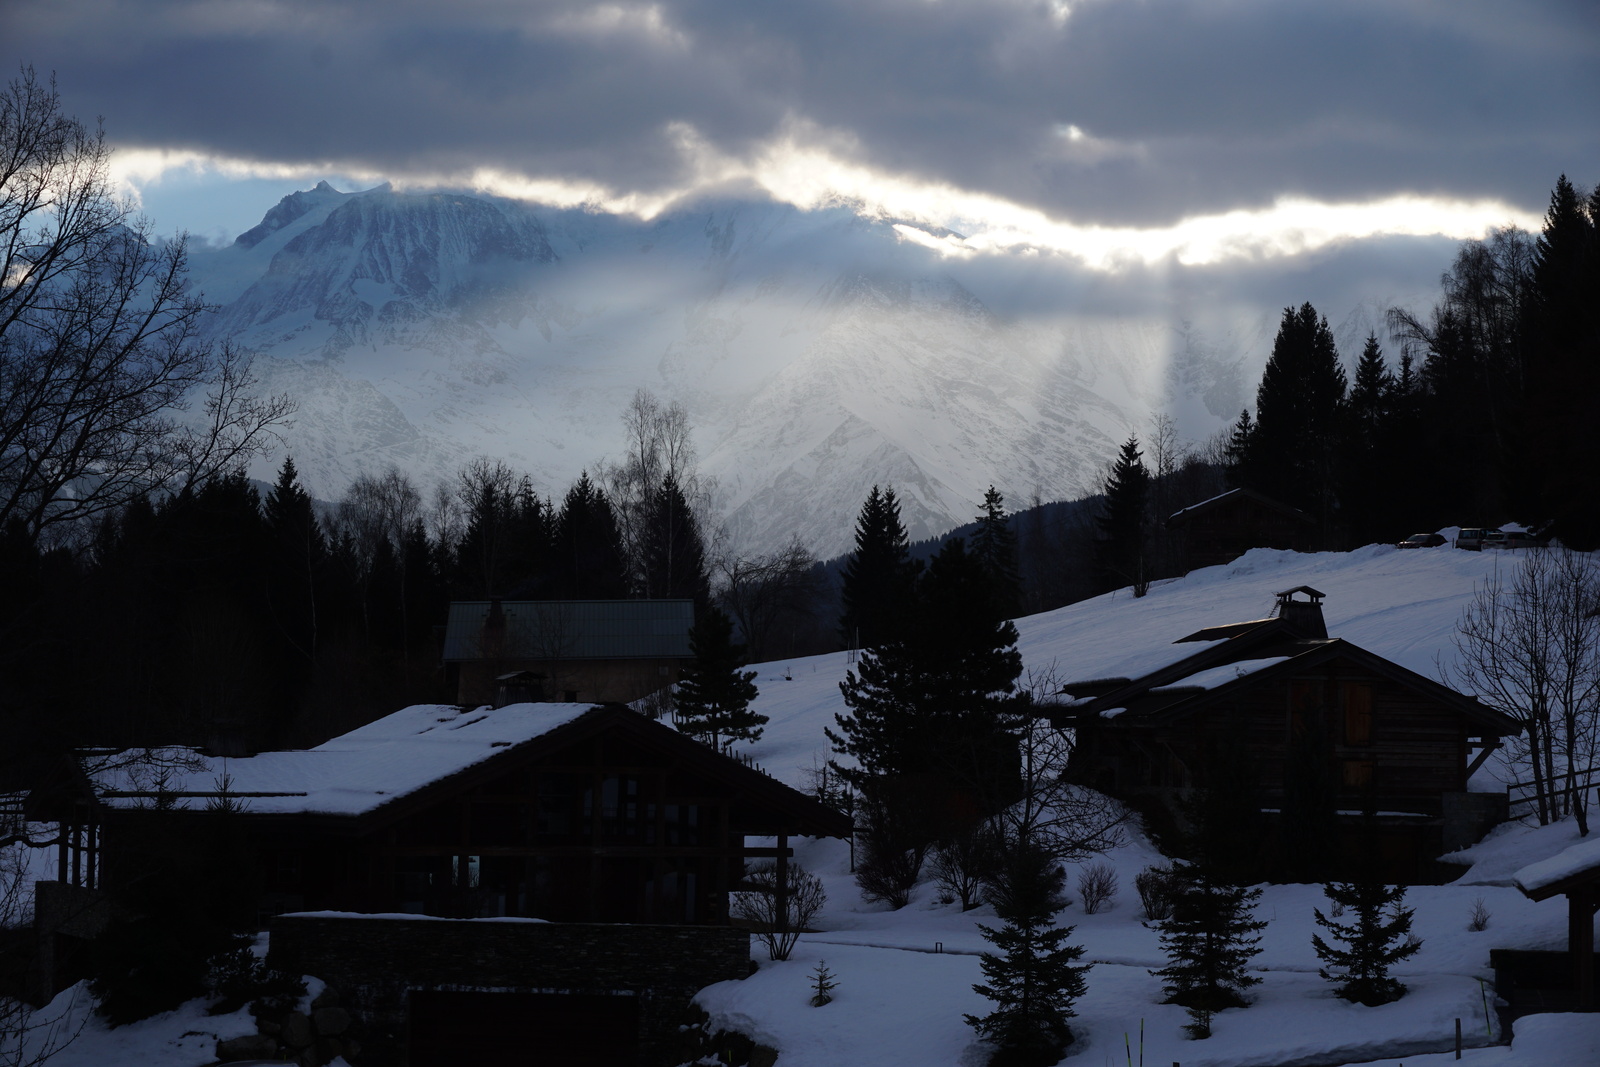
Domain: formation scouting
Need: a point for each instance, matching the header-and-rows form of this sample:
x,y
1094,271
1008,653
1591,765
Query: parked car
x,y
1514,539
1471,537
1422,540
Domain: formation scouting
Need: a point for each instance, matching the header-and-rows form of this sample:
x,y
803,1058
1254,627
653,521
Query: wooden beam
x,y
1477,761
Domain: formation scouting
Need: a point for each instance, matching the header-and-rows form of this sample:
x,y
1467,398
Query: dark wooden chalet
x,y
552,811
624,835
1268,691
1230,524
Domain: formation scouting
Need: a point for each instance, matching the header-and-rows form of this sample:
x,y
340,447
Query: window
x,y
1357,713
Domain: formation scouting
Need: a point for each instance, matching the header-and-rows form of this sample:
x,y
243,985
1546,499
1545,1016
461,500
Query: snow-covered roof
x,y
349,775
1219,676
1538,880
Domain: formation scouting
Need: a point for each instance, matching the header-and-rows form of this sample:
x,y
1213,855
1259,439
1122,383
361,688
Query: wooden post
x,y
1458,1038
1580,942
783,883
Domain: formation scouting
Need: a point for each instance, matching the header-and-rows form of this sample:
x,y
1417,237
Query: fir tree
x,y
824,982
939,700
1033,975
1209,942
713,699
674,552
1378,937
1124,546
1293,449
1237,453
879,575
994,544
587,560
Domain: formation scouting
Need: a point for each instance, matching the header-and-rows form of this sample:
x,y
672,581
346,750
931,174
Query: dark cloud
x,y
1189,106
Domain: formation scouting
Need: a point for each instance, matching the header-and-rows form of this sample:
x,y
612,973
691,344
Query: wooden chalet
x,y
1270,694
554,811
590,651
1225,527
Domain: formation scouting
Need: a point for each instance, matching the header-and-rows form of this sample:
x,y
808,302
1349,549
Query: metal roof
x,y
574,629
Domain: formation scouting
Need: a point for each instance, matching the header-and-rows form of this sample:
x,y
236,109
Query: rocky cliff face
x,y
817,352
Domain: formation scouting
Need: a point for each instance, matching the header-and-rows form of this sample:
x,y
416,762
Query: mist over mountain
x,y
818,352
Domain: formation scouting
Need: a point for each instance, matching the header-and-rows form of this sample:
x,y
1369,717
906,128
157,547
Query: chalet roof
x,y
1233,498
1237,657
572,629
418,752
1571,867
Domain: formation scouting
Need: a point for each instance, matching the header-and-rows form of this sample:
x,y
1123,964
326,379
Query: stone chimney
x,y
1302,617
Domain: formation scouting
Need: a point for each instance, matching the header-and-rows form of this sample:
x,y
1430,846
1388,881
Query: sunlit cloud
x,y
811,168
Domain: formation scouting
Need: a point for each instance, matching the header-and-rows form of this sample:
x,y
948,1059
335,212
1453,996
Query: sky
x,y
1111,132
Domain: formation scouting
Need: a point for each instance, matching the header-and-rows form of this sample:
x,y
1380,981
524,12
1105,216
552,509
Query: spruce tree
x,y
713,699
1294,448
1209,942
994,544
674,552
1124,545
1378,937
879,576
1236,455
587,560
1033,975
940,701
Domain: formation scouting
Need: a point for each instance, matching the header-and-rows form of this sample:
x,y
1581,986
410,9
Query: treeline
x,y
224,615
1488,415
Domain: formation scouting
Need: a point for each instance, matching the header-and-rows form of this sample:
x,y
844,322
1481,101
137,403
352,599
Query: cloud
x,y
1101,116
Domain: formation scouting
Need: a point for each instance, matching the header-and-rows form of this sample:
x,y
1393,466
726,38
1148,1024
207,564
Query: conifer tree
x,y
1293,449
1237,453
879,575
713,699
674,552
1124,545
938,701
587,560
1377,937
1033,975
994,545
1209,942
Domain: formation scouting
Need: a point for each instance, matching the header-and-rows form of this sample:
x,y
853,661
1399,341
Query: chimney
x,y
494,631
1302,617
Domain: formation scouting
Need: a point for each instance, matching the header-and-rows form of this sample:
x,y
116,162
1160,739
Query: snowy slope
x,y
905,977
1402,605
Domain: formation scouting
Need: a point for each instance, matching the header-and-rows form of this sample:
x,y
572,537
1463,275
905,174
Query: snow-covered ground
x,y
900,1000
905,977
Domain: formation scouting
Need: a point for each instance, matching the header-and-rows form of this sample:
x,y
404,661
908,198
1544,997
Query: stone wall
x,y
375,963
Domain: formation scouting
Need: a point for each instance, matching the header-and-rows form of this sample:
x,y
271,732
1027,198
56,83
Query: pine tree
x,y
1209,942
1033,975
674,552
879,575
1124,545
1237,453
713,699
1378,937
994,544
1293,449
587,560
938,701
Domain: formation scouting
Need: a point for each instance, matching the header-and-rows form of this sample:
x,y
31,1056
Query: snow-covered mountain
x,y
818,353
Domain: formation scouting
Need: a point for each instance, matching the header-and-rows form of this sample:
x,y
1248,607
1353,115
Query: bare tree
x,y
1067,821
658,447
101,359
1531,650
764,590
779,903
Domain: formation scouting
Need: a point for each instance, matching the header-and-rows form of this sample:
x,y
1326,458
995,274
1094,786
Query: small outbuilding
x,y
1230,524
503,652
